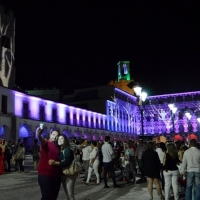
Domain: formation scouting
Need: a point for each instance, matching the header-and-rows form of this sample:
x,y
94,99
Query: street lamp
x,y
173,110
198,117
142,97
188,115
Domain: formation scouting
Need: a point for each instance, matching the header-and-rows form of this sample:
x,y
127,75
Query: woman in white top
x,y
94,163
161,150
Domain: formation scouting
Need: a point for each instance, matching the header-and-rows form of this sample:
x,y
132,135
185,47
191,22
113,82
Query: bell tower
x,y
123,70
123,77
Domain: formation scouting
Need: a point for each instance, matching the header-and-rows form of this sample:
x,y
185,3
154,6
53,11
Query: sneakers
x,y
106,186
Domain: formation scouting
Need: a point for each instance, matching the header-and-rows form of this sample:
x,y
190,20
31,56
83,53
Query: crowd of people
x,y
167,165
10,153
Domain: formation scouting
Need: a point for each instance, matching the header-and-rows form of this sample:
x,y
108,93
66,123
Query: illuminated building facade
x,y
21,114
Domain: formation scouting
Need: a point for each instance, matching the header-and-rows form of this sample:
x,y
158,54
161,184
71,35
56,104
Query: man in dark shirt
x,y
8,153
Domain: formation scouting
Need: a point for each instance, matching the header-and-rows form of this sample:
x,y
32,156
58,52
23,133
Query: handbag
x,y
75,167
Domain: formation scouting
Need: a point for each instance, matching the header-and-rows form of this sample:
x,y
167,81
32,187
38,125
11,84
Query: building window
x,y
80,120
67,118
25,110
42,114
74,119
86,121
92,122
54,115
4,100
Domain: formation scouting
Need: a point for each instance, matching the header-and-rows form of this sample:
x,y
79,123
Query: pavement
x,y
24,186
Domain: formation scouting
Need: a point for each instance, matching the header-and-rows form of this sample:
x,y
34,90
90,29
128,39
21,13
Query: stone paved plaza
x,y
25,187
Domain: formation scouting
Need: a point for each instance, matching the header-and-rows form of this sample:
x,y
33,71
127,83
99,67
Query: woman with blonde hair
x,y
171,172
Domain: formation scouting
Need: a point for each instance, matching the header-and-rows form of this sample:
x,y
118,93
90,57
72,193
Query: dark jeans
x,y
21,167
16,165
141,168
162,179
49,187
109,167
86,167
8,159
130,168
193,180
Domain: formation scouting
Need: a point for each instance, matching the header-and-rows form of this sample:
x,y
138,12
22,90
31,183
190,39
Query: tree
x,y
114,111
131,111
5,74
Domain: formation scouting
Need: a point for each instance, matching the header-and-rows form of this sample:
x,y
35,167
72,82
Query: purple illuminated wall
x,y
125,116
74,113
158,118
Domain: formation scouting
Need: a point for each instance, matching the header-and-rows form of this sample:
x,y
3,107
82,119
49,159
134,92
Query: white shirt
x,y
161,154
191,160
122,161
86,152
107,152
129,152
94,153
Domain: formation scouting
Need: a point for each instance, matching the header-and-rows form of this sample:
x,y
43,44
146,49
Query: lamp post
x,y
142,97
173,110
188,115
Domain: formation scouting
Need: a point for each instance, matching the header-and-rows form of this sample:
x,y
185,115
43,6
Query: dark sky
x,y
77,44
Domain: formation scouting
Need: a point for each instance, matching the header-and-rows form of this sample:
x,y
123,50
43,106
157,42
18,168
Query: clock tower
x,y
123,77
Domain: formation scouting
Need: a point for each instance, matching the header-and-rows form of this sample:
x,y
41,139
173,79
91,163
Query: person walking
x,y
170,171
9,153
20,157
129,156
139,151
65,159
86,148
151,166
49,176
191,168
1,161
108,164
161,150
94,163
36,154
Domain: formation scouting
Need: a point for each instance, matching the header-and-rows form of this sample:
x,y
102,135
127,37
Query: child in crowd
x,y
122,164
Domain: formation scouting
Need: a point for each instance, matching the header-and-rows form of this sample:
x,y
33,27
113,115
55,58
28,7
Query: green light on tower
x,y
124,70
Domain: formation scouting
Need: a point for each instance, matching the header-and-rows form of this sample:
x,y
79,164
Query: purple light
x,y
174,95
23,132
2,130
125,93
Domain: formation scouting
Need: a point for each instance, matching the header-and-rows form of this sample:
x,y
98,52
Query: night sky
x,y
76,44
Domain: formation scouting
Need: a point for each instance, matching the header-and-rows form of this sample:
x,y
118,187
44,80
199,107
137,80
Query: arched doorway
x,y
26,135
4,132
